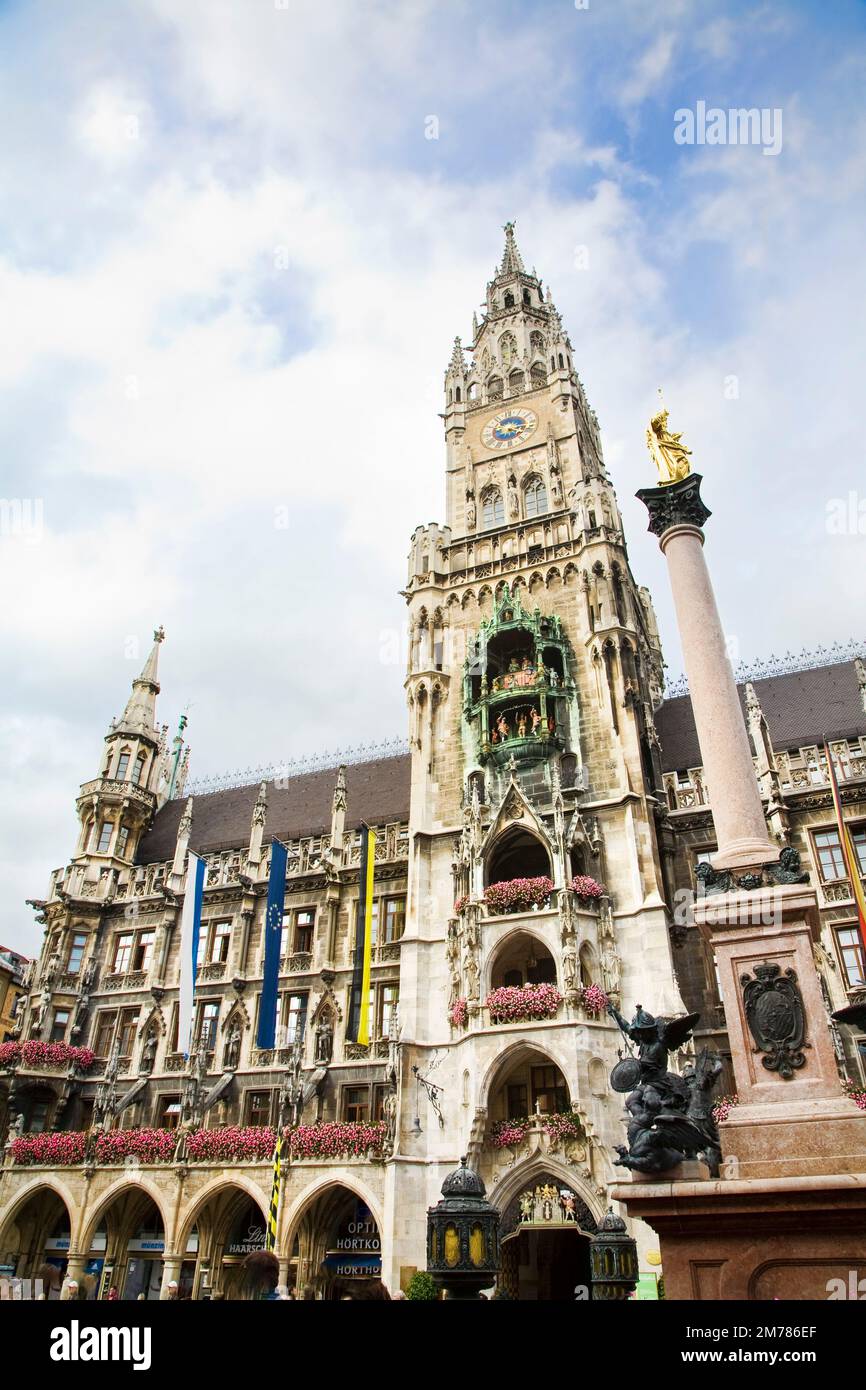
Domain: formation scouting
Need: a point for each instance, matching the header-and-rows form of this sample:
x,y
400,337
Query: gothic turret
x,y
116,808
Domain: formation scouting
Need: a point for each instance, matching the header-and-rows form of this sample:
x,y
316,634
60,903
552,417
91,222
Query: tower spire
x,y
512,261
140,713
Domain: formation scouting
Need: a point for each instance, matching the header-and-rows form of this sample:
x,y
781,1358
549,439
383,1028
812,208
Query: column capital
x,y
675,504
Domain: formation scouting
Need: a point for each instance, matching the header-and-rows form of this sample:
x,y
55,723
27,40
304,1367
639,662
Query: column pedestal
x,y
789,1212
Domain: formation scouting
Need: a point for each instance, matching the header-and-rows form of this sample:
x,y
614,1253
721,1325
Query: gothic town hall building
x,y
536,848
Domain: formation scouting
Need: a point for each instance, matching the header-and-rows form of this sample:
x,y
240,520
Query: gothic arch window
x,y
553,364
537,374
508,300
493,508
457,397
536,343
516,381
139,768
507,349
535,497
561,363
526,297
472,391
495,388
122,765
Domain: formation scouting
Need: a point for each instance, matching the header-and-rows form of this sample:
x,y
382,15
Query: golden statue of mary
x,y
670,455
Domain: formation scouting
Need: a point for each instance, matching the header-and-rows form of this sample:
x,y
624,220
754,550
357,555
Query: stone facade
x,y
540,749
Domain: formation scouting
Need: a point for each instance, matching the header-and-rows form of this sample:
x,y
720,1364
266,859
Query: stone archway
x,y
334,1244
124,1245
227,1223
545,1233
35,1237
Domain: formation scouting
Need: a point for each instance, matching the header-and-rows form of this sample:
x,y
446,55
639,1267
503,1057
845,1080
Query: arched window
x,y
507,349
458,394
537,374
139,767
122,765
526,298
493,508
472,391
509,300
495,388
535,495
536,343
516,381
561,363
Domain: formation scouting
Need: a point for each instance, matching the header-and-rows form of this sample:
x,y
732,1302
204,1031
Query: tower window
x,y
59,1025
526,297
122,765
104,837
495,388
561,363
509,300
76,953
139,767
122,841
535,497
493,508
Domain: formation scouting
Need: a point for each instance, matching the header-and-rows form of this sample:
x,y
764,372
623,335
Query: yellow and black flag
x,y
358,1030
273,1209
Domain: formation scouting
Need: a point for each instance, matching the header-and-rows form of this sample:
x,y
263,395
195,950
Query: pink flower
x,y
586,887
594,1000
35,1053
458,1013
232,1142
723,1107
518,894
338,1139
461,904
514,1003
58,1150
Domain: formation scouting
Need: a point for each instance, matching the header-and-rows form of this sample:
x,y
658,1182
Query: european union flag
x,y
267,1029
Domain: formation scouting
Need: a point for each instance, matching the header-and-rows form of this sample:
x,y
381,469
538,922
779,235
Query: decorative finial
x,y
159,634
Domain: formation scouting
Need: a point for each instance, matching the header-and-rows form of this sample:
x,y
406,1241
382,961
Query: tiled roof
x,y
376,792
801,708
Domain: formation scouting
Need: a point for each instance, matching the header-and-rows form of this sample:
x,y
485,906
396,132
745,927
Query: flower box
x,y
514,1003
34,1053
517,895
61,1149
508,1134
587,889
338,1139
594,1000
231,1143
458,1013
147,1145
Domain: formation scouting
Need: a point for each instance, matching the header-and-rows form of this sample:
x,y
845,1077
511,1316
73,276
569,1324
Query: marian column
x,y
677,515
794,1148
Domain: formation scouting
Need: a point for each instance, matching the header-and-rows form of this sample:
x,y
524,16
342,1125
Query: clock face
x,y
508,428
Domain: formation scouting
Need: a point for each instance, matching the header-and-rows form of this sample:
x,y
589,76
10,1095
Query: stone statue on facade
x,y
324,1039
233,1047
670,455
148,1053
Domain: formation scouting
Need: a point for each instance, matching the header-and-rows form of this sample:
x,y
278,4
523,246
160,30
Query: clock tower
x,y
539,854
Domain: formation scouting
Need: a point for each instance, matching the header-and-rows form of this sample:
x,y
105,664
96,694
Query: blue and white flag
x,y
190,925
267,1030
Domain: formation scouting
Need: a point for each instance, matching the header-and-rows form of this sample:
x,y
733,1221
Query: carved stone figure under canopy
x,y
670,455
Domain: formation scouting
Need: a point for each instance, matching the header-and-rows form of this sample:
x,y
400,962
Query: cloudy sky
x,y
232,263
